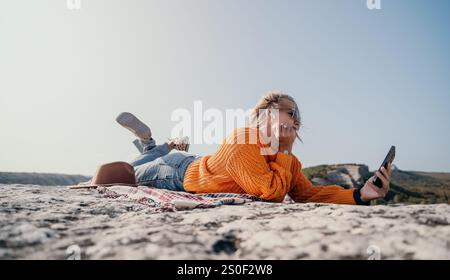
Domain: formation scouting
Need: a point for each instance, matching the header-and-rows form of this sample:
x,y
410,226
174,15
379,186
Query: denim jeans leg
x,y
166,172
138,145
151,152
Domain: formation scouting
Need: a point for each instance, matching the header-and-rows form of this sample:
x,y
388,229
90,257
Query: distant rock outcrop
x,y
346,175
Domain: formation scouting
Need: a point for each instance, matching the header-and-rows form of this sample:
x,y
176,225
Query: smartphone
x,y
388,159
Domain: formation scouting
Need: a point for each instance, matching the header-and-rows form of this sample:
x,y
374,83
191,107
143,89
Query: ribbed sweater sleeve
x,y
251,172
304,191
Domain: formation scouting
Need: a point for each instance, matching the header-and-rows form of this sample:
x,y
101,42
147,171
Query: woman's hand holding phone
x,y
370,191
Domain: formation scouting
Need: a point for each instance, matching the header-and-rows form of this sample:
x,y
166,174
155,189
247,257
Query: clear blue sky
x,y
364,79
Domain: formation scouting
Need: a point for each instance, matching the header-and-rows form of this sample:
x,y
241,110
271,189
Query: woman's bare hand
x,y
287,134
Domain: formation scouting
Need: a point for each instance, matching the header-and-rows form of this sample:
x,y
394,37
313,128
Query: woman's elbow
x,y
273,197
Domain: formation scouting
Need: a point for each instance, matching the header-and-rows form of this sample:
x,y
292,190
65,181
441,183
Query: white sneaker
x,y
133,124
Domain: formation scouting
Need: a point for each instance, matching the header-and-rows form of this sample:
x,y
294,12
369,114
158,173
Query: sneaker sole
x,y
133,124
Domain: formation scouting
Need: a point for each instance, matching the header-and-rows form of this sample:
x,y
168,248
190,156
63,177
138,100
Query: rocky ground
x,y
39,222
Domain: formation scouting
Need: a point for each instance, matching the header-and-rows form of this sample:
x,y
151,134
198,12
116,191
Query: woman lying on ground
x,y
240,166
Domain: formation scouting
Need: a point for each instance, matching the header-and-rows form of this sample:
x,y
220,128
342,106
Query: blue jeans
x,y
158,168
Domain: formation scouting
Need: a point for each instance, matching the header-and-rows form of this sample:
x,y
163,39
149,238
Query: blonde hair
x,y
272,100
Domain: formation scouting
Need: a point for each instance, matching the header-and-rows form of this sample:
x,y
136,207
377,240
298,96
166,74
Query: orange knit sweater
x,y
240,168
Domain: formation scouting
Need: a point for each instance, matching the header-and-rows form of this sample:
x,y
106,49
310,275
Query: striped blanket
x,y
166,200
